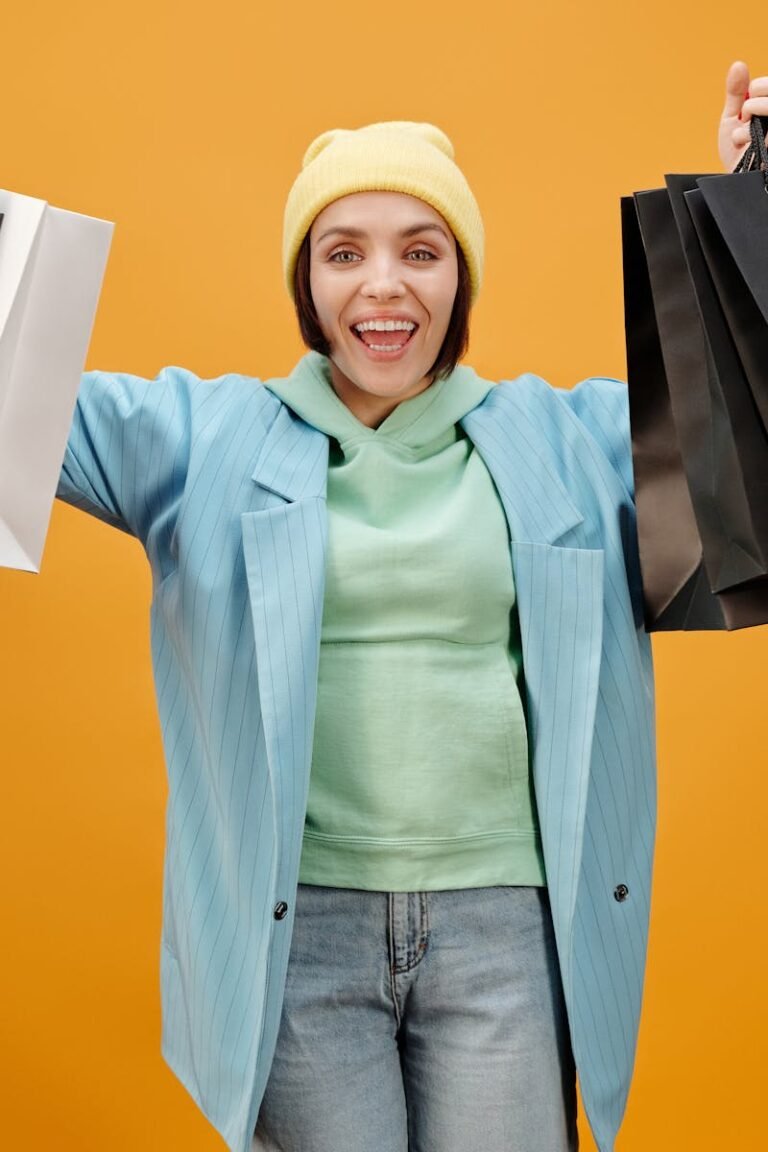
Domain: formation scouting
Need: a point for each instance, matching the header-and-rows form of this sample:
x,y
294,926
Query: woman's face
x,y
382,256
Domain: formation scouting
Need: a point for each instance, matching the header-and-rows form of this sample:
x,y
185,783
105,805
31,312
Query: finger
x,y
759,86
736,88
755,106
741,136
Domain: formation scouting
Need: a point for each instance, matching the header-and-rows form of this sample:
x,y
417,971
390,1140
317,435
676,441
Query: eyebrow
x,y
359,233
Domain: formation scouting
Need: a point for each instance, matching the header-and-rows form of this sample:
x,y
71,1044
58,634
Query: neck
x,y
370,409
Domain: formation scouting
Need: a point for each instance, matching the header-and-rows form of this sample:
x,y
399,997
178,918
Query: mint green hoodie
x,y
420,769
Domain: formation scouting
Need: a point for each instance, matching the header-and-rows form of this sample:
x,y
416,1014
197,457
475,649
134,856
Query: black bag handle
x,y
758,126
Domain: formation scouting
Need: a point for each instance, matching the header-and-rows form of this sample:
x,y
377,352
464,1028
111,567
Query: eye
x,y
347,256
343,252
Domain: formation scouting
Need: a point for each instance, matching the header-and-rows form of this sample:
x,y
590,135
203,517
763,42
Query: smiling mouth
x,y
384,341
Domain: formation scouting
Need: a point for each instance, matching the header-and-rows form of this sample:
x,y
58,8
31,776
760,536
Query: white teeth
x,y
385,326
386,347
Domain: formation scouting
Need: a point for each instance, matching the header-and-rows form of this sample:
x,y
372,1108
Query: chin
x,y
382,379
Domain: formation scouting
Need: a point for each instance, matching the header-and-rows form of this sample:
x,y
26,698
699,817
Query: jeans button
x,y
280,910
620,892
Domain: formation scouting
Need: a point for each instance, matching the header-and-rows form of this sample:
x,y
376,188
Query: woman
x,y
405,692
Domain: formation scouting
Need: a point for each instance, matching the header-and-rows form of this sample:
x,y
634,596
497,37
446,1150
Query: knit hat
x,y
391,156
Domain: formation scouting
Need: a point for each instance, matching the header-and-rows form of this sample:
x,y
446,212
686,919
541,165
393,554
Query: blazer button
x,y
620,892
280,910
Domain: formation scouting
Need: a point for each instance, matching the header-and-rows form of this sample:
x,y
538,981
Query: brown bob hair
x,y
456,339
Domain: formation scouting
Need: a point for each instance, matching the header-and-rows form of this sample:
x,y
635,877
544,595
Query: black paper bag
x,y
674,451
729,476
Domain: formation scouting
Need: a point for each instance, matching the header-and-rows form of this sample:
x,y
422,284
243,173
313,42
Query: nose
x,y
383,280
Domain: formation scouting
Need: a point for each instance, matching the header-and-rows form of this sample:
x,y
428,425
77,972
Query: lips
x,y
394,339
394,350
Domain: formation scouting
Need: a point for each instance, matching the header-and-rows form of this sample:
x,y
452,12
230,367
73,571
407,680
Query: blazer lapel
x,y
284,544
559,588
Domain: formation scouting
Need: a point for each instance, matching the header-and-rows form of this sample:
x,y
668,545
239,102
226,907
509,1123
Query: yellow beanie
x,y
391,156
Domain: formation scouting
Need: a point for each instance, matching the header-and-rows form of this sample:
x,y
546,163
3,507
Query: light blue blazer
x,y
225,488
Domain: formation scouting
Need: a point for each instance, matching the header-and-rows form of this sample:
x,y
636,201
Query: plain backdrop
x,y
185,124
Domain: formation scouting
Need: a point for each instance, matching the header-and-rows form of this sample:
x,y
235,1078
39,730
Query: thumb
x,y
736,88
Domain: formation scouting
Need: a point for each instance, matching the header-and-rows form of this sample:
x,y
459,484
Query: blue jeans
x,y
421,1022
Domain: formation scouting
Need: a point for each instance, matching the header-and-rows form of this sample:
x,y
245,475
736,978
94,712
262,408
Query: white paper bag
x,y
52,265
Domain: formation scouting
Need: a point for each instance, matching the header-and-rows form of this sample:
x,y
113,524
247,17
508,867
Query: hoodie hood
x,y
415,423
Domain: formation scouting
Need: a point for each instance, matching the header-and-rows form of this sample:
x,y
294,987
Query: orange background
x,y
186,125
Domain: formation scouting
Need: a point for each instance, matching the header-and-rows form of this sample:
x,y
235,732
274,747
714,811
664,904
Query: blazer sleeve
x,y
601,403
127,451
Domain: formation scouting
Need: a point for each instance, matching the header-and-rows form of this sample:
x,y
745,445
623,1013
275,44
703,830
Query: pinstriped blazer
x,y
225,488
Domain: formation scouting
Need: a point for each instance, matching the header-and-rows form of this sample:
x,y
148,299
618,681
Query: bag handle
x,y
758,126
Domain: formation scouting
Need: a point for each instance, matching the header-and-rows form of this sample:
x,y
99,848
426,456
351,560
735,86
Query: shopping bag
x,y
699,451
746,322
671,424
734,520
731,220
718,243
52,264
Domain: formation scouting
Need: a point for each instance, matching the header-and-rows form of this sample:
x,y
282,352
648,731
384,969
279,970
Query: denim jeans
x,y
421,1022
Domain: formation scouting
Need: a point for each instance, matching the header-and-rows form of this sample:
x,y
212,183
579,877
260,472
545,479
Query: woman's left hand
x,y
733,135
